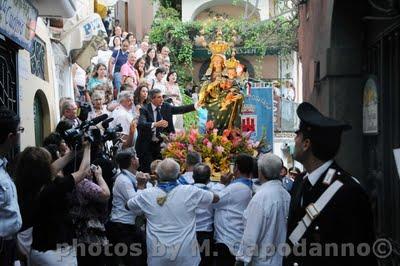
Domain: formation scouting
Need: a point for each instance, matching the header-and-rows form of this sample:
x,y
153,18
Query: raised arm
x,y
85,165
61,162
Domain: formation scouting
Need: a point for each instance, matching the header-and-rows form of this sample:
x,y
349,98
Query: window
x,y
38,58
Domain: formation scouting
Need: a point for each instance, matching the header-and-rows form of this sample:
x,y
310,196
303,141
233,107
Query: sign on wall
x,y
257,115
18,21
370,106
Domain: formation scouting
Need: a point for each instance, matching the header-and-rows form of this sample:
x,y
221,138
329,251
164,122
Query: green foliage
x,y
168,29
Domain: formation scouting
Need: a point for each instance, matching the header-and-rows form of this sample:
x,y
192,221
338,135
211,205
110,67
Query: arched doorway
x,y
40,117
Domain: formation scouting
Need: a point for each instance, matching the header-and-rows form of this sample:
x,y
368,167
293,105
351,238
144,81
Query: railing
x,y
285,118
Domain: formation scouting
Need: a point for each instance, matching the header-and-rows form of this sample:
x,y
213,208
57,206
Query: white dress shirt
x,y
171,228
123,190
123,117
265,225
228,215
316,174
204,216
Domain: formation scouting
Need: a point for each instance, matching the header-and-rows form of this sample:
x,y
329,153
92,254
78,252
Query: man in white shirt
x,y
144,46
124,116
171,219
228,216
192,158
265,217
204,217
122,227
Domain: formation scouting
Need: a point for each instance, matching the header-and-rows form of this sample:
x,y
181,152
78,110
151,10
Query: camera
x,y
111,133
84,110
75,136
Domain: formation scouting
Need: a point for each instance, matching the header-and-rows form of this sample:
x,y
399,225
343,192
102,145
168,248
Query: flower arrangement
x,y
217,150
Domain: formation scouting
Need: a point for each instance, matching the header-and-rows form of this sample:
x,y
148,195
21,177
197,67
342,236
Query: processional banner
x,y
257,115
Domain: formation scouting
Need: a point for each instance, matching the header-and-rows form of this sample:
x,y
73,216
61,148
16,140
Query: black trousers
x,y
132,239
8,253
206,245
148,154
224,256
86,259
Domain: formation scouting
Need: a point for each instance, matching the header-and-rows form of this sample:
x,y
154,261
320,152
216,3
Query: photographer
x,y
56,139
45,206
89,213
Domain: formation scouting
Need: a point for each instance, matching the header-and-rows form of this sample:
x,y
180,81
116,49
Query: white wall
x,y
29,84
190,8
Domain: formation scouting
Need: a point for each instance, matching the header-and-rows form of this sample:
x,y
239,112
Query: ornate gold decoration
x,y
219,46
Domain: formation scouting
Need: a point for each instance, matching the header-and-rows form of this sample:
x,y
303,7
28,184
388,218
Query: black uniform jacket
x,y
346,219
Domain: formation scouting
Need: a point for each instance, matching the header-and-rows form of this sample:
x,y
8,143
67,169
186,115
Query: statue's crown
x,y
219,46
232,63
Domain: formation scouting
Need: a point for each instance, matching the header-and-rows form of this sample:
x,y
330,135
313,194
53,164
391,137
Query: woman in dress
x,y
139,66
132,40
151,63
99,77
140,97
117,43
98,106
172,92
45,206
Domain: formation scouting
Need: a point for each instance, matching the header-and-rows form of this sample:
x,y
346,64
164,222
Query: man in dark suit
x,y
329,209
155,119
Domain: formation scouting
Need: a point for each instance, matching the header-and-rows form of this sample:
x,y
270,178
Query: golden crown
x,y
219,46
232,63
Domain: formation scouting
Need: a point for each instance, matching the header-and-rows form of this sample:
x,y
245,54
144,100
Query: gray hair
x,y
168,170
270,165
67,104
154,92
124,95
98,95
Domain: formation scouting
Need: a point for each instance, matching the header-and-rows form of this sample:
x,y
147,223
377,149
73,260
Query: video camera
x,y
75,136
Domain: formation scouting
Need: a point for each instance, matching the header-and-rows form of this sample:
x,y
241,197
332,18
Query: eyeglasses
x,y
20,130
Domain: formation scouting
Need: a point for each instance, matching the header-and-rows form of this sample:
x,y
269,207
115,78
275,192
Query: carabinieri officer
x,y
330,220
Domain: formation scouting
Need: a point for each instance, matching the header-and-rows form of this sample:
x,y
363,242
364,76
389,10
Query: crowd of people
x,y
103,195
74,204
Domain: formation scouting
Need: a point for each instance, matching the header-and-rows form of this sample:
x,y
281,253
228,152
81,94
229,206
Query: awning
x,y
59,8
78,36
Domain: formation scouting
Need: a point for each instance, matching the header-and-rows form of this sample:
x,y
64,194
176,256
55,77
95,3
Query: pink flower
x,y
215,131
209,145
220,149
205,141
209,125
192,138
190,147
226,132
